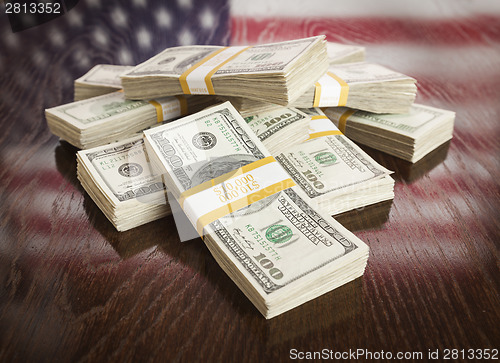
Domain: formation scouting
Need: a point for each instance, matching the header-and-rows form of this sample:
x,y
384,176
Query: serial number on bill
x,y
33,8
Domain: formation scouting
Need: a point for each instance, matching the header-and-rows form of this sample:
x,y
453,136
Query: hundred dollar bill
x,y
329,168
275,73
409,136
101,79
110,117
119,179
364,86
280,250
279,127
337,174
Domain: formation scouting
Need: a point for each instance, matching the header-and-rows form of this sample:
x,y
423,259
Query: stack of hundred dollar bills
x,y
120,181
409,136
110,117
363,86
275,73
279,248
279,127
105,78
101,79
328,167
260,176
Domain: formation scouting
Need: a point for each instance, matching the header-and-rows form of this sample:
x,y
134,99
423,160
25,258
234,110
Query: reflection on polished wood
x,y
72,288
405,170
369,217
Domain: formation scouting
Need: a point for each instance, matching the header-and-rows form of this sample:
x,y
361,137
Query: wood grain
x,y
72,288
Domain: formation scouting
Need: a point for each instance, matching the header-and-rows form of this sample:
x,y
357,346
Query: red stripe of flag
x,y
480,29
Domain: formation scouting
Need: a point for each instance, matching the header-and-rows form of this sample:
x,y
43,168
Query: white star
x,y
185,37
124,56
56,37
100,36
163,18
144,38
81,58
119,17
207,19
74,18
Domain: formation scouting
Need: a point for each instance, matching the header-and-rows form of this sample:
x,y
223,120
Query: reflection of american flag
x,y
453,52
98,31
55,244
440,47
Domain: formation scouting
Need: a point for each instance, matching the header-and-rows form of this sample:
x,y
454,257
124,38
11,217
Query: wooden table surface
x,y
72,288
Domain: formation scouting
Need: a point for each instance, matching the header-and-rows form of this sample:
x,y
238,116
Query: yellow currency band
x,y
159,109
317,94
324,133
208,77
224,177
319,117
344,88
182,78
343,119
220,212
212,216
